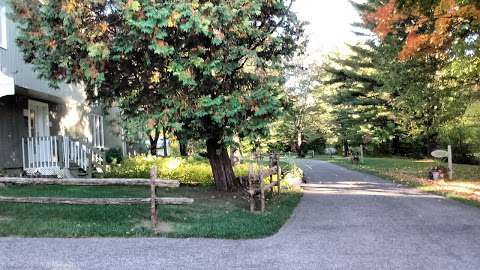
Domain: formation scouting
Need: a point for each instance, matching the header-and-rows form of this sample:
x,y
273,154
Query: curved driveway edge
x,y
346,220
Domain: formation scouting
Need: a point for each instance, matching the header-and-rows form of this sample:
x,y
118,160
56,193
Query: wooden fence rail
x,y
88,181
153,182
95,201
256,182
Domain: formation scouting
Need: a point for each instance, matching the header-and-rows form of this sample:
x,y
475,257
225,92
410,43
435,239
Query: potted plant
x,y
438,173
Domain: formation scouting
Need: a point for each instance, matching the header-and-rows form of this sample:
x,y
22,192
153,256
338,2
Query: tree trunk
x,y
345,148
183,149
430,143
182,143
153,143
221,165
165,151
396,145
299,139
235,153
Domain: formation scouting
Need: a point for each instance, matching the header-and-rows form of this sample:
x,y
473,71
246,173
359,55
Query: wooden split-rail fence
x,y
153,182
257,187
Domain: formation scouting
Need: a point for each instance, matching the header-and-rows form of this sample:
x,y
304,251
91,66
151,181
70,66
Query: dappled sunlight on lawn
x,y
425,161
469,190
466,183
353,188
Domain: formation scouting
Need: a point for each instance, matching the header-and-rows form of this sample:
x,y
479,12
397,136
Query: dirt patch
x,y
162,227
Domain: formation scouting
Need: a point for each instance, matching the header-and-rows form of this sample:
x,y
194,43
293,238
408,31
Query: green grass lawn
x,y
391,167
464,187
212,215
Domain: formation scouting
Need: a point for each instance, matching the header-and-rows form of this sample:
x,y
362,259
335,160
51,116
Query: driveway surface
x,y
346,220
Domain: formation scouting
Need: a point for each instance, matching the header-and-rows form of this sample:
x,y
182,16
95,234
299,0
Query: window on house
x,y
96,123
3,27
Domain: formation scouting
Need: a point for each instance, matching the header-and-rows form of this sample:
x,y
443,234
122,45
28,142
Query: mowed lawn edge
x,y
212,215
465,187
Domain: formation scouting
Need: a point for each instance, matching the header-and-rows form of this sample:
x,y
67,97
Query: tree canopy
x,y
216,66
395,99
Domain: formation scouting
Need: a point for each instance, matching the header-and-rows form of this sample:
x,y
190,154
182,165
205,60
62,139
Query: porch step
x,y
76,172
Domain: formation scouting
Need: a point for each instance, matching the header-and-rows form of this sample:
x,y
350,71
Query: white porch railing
x,y
51,154
40,152
76,153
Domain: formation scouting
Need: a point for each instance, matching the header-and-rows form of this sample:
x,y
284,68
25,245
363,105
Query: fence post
x,y
153,197
271,163
262,192
258,158
279,173
361,153
251,191
450,163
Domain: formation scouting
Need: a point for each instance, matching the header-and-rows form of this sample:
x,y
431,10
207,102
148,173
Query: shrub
x,y
279,147
186,170
330,151
114,155
191,170
462,139
181,169
317,144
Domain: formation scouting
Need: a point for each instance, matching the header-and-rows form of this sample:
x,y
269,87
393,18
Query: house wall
x,y
14,126
67,105
13,65
113,129
65,119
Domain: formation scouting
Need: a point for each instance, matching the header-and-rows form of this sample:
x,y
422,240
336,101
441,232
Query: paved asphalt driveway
x,y
346,220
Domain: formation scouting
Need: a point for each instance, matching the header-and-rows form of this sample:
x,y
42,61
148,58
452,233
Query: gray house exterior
x,y
41,127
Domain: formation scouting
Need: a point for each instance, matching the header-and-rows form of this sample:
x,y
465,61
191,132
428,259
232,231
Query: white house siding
x,y
68,110
12,64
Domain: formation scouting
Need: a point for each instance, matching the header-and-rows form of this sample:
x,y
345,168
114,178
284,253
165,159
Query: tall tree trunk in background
x,y
153,142
299,143
235,153
345,148
182,143
396,145
430,143
221,165
183,149
165,151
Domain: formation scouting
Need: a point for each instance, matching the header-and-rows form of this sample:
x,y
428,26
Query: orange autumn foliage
x,y
384,18
413,44
447,18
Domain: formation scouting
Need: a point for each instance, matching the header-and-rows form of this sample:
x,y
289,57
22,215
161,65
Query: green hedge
x,y
186,170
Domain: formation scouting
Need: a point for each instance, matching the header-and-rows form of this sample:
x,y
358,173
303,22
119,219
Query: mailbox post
x,y
450,163
445,154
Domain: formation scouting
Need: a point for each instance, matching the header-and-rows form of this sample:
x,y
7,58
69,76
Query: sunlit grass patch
x,y
465,186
